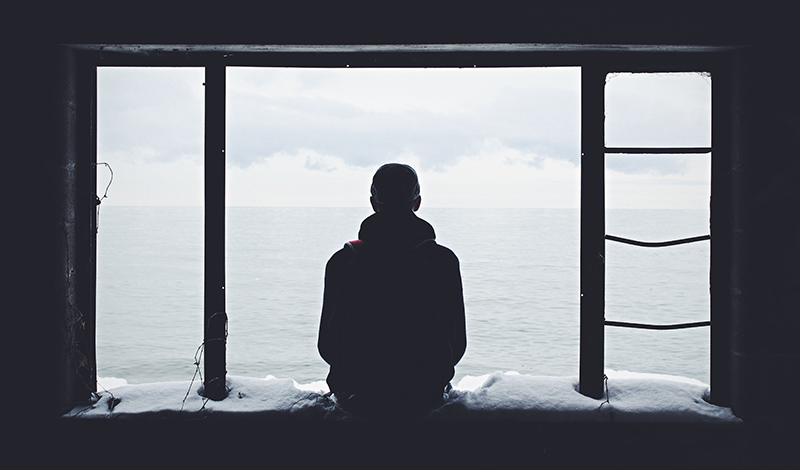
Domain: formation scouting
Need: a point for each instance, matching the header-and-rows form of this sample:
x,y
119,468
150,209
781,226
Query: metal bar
x,y
629,58
647,326
658,150
592,231
68,323
681,241
214,331
86,226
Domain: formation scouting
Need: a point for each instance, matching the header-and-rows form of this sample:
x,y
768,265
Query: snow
x,y
499,396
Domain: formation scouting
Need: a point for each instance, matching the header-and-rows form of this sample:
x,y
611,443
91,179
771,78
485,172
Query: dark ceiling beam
x,y
648,57
698,22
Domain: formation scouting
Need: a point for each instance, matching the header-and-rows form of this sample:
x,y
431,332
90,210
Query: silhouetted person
x,y
392,327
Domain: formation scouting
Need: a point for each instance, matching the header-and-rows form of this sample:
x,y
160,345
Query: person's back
x,y
392,325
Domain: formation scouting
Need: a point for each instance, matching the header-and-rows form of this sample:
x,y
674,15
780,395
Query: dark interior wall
x,y
72,227
766,266
48,246
408,22
765,263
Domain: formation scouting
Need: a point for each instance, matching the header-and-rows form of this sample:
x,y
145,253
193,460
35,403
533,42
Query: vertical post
x,y
86,222
747,145
70,333
592,230
721,229
215,326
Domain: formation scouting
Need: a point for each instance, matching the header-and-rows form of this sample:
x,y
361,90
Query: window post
x,y
215,324
592,257
722,207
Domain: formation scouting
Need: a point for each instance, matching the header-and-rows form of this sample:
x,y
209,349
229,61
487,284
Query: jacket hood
x,y
395,228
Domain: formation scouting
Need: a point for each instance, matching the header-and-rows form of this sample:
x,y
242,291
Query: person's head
x,y
395,186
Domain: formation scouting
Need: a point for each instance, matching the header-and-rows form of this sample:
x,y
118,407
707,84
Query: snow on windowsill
x,y
499,396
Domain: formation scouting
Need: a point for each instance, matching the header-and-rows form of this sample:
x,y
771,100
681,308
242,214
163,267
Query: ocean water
x,y
520,271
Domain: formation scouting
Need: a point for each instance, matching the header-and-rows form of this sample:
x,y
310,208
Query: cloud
x,y
654,164
300,179
478,137
370,116
493,176
177,182
500,176
317,162
150,114
688,189
658,109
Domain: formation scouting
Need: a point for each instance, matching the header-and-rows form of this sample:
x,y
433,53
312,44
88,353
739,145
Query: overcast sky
x,y
477,137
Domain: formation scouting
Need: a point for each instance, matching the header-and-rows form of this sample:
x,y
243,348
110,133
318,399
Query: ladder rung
x,y
658,244
646,326
659,150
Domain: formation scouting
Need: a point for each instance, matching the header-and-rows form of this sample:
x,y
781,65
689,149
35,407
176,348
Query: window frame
x,y
595,61
593,230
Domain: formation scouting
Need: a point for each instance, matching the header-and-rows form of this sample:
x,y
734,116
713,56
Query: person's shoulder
x,y
445,249
440,251
341,258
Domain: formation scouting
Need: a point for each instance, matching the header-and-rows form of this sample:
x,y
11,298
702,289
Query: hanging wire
x,y
75,325
607,400
105,193
198,355
98,200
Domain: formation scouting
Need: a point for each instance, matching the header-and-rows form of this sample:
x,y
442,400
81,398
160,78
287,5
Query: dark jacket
x,y
393,325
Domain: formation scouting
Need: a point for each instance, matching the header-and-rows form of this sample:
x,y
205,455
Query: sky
x,y
478,137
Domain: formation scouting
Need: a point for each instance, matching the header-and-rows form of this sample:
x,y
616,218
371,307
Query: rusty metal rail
x,y
658,244
647,326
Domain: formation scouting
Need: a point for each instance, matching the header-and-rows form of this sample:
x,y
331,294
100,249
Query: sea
x,y
519,268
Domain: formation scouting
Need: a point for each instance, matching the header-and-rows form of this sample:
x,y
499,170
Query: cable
x,y
105,194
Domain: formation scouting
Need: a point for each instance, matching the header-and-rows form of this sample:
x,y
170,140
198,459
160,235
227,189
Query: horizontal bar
x,y
646,326
181,48
659,150
682,241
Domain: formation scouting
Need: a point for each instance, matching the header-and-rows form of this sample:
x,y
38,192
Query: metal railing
x,y
593,236
649,326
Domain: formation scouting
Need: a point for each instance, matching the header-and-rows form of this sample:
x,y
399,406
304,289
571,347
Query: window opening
x,y
150,229
497,155
657,125
435,173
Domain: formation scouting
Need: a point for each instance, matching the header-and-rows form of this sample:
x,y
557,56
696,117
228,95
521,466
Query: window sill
x,y
500,396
